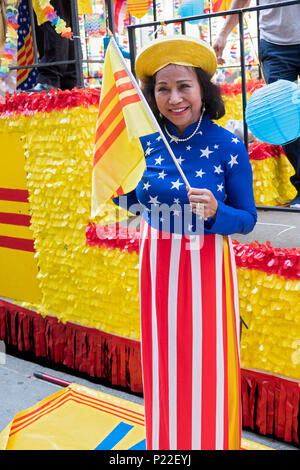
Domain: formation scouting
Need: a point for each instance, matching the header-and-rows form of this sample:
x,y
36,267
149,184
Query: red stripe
x,y
63,402
146,331
26,45
23,74
125,87
109,96
25,57
236,327
14,219
161,290
22,419
130,99
109,141
18,195
17,243
119,415
217,4
225,353
120,409
21,53
184,349
71,393
208,345
120,191
106,409
116,110
120,74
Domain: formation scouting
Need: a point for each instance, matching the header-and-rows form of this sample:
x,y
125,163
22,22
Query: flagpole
x,y
148,109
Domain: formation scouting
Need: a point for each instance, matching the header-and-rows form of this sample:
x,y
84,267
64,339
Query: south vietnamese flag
x,y
119,162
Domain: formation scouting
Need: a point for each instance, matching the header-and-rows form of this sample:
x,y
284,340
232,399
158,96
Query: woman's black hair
x,y
212,99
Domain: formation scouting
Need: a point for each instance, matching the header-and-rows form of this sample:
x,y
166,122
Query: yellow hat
x,y
180,50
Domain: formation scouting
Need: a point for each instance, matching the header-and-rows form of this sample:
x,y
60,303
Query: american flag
x,y
26,78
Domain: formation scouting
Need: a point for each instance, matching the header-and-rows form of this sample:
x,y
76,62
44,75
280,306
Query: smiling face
x,y
178,95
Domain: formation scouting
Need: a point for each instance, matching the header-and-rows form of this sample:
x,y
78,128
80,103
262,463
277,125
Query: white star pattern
x,y
200,173
148,151
233,161
161,182
205,152
153,200
180,160
146,185
218,169
162,175
158,160
176,184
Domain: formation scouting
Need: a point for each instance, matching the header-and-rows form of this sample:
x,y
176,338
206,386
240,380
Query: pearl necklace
x,y
178,139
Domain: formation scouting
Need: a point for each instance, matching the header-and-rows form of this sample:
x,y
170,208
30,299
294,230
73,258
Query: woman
x,y
188,290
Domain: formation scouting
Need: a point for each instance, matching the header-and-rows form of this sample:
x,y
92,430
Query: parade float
x,y
69,286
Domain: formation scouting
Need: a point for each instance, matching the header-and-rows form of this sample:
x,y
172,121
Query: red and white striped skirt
x,y
189,342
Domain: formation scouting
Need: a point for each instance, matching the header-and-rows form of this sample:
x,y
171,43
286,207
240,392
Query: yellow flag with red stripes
x,y
221,5
119,162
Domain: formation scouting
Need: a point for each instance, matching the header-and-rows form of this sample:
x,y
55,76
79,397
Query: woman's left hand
x,y
203,202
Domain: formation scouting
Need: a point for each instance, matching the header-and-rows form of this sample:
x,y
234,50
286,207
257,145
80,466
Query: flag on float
x,y
118,162
26,78
221,5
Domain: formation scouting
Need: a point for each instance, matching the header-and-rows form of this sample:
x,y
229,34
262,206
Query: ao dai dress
x,y
188,288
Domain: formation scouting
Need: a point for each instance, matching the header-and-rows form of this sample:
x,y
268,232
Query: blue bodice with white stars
x,y
214,159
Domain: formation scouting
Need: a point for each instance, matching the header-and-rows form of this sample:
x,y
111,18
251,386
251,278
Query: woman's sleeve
x,y
238,213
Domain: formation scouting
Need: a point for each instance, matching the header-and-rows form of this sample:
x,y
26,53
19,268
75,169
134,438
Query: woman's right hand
x,y
203,202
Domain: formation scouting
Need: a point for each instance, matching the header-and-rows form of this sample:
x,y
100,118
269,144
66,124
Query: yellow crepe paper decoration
x,y
98,287
87,285
270,307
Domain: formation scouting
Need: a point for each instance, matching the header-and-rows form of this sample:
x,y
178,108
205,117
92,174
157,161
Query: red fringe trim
x,y
29,103
112,237
236,88
280,261
84,349
56,100
270,405
262,151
